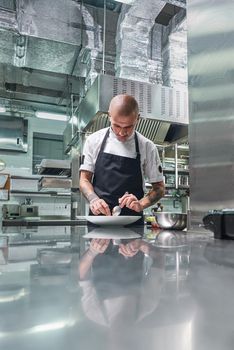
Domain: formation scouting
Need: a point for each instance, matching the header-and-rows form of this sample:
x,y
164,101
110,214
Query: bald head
x,y
123,105
123,114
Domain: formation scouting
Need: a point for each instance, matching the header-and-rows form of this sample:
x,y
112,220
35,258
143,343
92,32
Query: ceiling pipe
x,y
104,37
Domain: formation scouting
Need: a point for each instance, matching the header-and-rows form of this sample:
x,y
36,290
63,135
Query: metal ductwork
x,y
163,110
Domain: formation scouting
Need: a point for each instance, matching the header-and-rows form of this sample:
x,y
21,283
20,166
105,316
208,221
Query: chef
x,y
116,162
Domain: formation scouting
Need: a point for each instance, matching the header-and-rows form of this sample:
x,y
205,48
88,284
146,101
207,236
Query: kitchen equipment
x,y
164,112
221,222
175,221
54,182
13,133
54,167
10,211
112,220
27,209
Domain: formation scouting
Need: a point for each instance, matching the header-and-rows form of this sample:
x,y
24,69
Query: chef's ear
x,y
138,117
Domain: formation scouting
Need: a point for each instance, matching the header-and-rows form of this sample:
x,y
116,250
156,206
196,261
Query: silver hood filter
x,y
163,110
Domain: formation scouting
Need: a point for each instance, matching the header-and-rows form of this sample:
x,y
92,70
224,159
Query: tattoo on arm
x,y
156,192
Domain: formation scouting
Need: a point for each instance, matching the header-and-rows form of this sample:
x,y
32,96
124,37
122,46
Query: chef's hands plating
x,y
130,201
99,206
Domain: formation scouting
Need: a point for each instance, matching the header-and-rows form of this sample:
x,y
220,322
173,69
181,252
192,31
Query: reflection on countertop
x,y
69,287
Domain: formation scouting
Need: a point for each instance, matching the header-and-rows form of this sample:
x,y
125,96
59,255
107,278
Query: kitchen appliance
x,y
27,209
10,211
221,222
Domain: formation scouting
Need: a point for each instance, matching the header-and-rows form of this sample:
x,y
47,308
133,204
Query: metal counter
x,y
43,221
169,290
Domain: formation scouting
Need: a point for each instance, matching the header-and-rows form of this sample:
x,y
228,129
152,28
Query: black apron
x,y
114,175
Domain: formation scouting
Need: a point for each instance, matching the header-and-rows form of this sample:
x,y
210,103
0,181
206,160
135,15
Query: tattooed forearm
x,y
153,196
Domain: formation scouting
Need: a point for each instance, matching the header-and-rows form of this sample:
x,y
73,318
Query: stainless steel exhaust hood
x,y
163,110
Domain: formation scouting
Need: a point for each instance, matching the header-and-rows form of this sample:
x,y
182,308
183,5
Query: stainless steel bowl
x,y
174,221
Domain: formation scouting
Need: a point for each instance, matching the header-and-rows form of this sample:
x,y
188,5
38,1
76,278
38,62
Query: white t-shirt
x,y
150,162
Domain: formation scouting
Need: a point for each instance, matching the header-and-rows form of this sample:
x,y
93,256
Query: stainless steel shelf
x,y
34,193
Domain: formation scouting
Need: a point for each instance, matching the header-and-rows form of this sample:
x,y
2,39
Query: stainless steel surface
x,y
167,298
211,127
170,239
161,121
176,221
13,133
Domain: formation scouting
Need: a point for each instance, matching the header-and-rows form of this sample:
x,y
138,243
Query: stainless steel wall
x,y
211,104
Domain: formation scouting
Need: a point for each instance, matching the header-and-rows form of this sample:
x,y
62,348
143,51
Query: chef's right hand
x,y
99,206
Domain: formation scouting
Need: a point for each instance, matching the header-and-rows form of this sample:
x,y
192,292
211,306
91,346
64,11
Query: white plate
x,y
112,220
112,233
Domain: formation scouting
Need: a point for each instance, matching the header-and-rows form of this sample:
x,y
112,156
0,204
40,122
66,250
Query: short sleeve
x,y
153,166
88,161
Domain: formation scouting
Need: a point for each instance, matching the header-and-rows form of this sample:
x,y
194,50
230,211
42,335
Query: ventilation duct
x,y
163,110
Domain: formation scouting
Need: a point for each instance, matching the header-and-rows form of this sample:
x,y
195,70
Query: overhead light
x,y
52,116
2,109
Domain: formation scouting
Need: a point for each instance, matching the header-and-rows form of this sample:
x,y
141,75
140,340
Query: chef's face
x,y
123,125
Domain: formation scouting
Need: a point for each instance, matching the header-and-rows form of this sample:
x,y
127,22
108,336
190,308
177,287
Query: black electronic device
x,y
221,222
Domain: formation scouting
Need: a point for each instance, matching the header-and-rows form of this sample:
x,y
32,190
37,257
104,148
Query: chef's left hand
x,y
130,201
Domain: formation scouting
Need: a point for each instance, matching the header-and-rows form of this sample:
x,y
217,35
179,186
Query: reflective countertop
x,y
72,288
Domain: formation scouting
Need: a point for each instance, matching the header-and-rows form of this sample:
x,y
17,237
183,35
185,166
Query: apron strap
x,y
137,146
104,141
